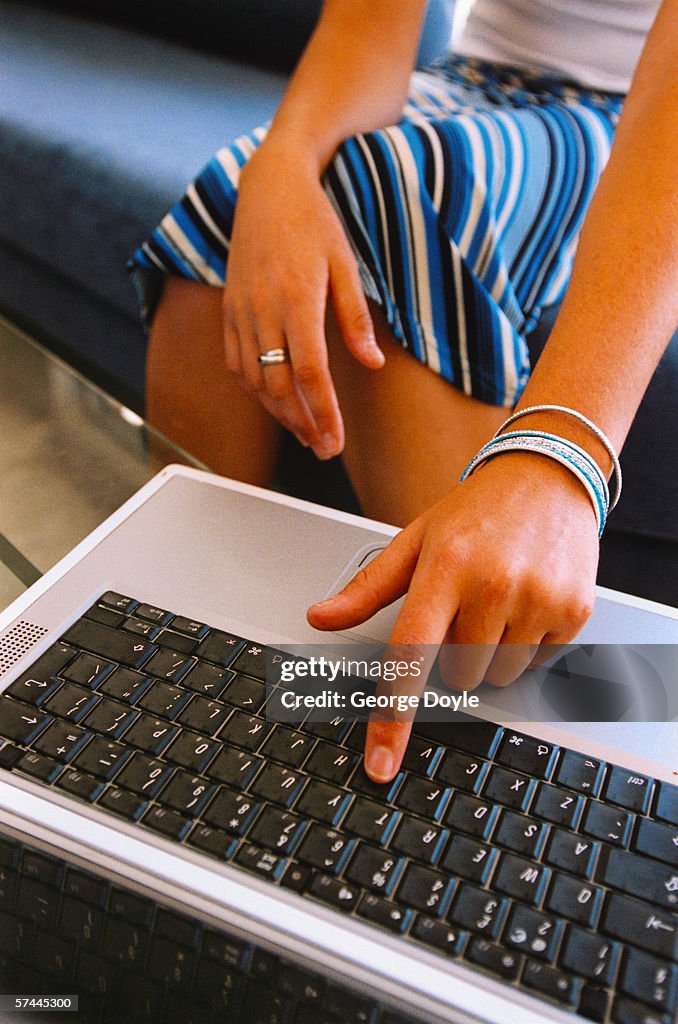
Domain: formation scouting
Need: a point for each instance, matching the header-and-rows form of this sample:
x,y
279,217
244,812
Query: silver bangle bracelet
x,y
596,431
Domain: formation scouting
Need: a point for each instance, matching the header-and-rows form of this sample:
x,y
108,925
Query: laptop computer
x,y
169,853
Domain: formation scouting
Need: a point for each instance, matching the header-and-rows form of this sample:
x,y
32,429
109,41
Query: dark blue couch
x,y
104,119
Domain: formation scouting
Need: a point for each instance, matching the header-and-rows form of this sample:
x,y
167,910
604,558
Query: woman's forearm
x,y
621,306
353,75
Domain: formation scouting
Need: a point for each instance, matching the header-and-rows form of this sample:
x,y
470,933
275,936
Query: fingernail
x,y
380,764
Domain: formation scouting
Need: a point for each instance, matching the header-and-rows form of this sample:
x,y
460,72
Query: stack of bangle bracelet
x,y
570,455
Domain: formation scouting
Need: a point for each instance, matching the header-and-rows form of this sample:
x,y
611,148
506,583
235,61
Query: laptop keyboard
x,y
550,870
130,958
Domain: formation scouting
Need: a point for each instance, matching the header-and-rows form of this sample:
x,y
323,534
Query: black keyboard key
x,y
331,763
37,902
527,754
509,788
421,756
426,890
333,729
61,740
422,796
290,747
88,670
443,937
627,1011
261,862
520,878
83,886
120,801
245,693
213,841
151,734
192,751
639,876
113,644
169,664
170,964
551,982
337,894
176,641
71,702
462,771
163,699
186,793
502,962
124,685
45,667
382,792
469,858
533,932
230,811
20,722
572,852
572,898
203,715
577,771
478,910
667,803
655,839
124,942
370,820
246,731
650,980
277,830
227,951
220,648
102,757
148,630
234,767
607,823
37,865
325,849
384,913
54,953
80,784
109,718
637,923
558,806
323,802
157,615
39,767
9,755
134,908
468,814
373,869
521,834
252,660
419,839
144,775
628,789
209,680
296,877
107,616
278,784
190,627
593,1004
119,602
167,822
33,690
80,921
592,956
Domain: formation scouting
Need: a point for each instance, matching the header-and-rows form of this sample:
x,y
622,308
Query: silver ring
x,y
274,357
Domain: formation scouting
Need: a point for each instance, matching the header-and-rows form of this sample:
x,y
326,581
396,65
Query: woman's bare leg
x,y
409,434
191,396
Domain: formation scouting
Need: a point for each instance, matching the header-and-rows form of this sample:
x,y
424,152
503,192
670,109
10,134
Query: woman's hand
x,y
505,562
288,256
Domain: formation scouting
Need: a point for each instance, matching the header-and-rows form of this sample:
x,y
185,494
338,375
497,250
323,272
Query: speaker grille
x,y
17,642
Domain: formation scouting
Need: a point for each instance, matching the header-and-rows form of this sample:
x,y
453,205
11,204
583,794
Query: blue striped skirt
x,y
464,217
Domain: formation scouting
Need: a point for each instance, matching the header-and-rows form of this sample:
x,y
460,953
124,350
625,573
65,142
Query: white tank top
x,y
595,42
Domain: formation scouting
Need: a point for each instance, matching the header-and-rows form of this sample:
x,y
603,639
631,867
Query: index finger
x,y
429,607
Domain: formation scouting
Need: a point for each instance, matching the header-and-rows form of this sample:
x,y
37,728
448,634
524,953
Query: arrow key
x,y
20,722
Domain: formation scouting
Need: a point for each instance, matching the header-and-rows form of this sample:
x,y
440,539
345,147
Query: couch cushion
x,y
269,33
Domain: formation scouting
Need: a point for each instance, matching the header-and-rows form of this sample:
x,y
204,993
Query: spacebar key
x,y
125,648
